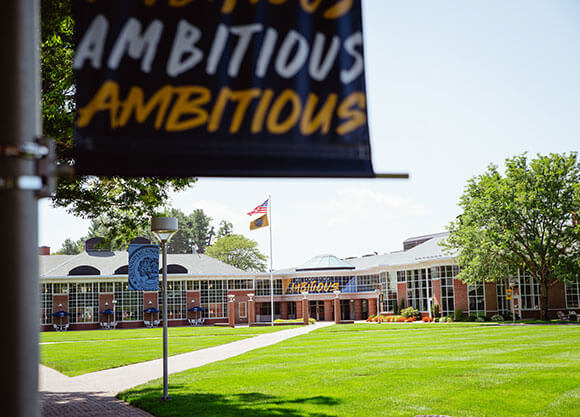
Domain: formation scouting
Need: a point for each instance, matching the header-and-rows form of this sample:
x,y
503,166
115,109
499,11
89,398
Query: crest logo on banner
x,y
221,88
144,267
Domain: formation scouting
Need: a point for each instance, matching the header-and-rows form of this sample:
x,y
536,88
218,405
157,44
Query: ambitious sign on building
x,y
221,88
319,285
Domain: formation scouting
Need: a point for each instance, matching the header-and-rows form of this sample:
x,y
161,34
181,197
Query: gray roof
x,y
430,236
108,262
324,262
425,252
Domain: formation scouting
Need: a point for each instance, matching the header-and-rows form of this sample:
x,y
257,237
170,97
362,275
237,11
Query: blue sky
x,y
452,86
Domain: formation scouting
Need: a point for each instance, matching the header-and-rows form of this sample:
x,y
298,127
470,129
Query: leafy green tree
x,y
524,220
226,228
125,204
201,229
238,251
182,240
70,247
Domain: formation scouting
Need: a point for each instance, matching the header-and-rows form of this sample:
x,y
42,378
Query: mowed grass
x,y
389,370
81,352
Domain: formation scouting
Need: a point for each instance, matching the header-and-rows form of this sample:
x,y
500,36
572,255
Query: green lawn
x,y
80,352
456,369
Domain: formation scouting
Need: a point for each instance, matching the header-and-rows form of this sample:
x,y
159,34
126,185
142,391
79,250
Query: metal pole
x,y
165,388
19,124
271,263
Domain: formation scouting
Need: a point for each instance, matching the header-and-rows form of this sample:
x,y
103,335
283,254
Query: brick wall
x,y
402,292
490,293
460,295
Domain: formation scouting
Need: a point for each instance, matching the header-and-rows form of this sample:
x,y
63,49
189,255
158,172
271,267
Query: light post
x,y
378,307
163,228
305,309
114,313
336,306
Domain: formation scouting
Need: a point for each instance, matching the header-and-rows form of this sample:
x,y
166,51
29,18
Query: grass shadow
x,y
201,404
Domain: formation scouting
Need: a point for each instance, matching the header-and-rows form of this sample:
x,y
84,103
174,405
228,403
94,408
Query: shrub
x,y
427,320
497,318
479,318
458,315
410,312
448,319
435,310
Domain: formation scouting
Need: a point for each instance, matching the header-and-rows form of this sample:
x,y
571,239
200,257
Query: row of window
x,y
83,302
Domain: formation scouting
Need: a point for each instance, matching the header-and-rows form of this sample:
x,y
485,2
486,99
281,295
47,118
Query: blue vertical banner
x,y
221,88
143,267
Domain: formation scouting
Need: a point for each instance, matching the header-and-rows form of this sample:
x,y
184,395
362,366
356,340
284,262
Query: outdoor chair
x,y
156,322
562,316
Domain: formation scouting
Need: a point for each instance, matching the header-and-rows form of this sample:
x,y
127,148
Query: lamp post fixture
x,y
163,228
378,306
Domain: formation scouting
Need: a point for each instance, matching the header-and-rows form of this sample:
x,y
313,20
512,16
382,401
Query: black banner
x,y
221,88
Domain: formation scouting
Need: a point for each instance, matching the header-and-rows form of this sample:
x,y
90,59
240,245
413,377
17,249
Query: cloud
x,y
353,203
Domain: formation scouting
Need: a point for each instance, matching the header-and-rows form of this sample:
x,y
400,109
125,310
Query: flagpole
x,y
271,264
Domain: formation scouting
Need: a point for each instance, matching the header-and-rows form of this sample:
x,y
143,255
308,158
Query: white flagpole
x,y
271,264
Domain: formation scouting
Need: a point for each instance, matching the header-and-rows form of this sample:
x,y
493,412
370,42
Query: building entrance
x,y
316,310
345,310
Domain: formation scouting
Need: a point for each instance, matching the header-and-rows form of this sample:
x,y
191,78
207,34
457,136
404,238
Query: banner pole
x,y
271,264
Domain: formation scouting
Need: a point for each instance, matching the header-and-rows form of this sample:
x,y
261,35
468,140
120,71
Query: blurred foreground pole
x,y
19,127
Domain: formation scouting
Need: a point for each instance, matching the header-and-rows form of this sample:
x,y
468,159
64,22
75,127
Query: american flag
x,y
262,208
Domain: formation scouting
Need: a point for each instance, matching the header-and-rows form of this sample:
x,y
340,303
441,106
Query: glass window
x,y
240,284
129,306
389,288
446,275
529,292
476,298
214,298
263,287
46,304
83,302
176,304
192,285
106,287
503,305
401,276
367,283
60,288
573,295
243,309
419,288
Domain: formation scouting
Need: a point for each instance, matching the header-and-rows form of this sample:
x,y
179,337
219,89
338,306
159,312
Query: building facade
x,y
92,289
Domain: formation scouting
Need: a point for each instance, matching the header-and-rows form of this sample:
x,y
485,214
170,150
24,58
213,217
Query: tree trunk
x,y
544,300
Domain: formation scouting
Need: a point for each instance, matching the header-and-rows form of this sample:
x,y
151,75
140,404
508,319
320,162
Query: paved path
x,y
94,394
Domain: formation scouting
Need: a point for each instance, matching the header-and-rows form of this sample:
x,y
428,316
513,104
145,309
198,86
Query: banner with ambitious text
x,y
221,88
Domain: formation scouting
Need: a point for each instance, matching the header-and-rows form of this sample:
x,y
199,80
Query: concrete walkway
x,y
94,394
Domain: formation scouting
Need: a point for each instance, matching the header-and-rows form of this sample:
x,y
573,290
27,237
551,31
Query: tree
x,y
70,247
523,220
238,251
183,240
225,229
200,229
125,204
